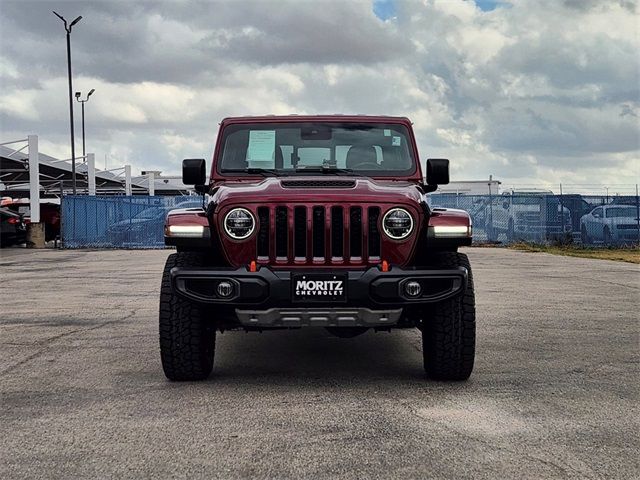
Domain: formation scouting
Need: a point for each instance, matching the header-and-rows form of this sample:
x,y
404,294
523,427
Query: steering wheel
x,y
366,166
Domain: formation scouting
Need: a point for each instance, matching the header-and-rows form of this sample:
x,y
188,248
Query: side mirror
x,y
437,171
193,171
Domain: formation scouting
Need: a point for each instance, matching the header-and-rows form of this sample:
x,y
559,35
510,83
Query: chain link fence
x,y
118,221
546,218
137,221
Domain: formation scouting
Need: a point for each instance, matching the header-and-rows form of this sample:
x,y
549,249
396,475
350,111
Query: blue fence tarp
x,y
137,221
118,221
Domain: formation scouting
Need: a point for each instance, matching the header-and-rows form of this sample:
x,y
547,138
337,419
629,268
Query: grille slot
x,y
263,232
337,232
300,232
374,232
282,236
355,231
318,232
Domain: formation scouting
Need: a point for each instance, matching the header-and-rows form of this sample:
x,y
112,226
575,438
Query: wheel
x,y
187,339
584,236
606,236
449,328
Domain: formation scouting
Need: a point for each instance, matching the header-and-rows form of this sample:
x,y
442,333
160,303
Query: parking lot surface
x,y
554,393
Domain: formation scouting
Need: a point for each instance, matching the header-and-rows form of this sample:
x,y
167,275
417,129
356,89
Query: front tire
x,y
449,328
187,340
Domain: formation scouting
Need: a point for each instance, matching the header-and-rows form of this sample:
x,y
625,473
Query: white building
x,y
471,187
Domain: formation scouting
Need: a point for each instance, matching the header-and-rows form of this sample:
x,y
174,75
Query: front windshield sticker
x,y
387,132
262,145
395,141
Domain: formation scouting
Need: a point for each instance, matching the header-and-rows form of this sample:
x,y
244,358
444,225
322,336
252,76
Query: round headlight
x,y
397,223
239,223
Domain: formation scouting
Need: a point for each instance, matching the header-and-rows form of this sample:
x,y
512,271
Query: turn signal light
x,y
253,266
384,266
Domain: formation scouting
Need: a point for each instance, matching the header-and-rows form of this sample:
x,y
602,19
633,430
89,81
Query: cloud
x,y
527,91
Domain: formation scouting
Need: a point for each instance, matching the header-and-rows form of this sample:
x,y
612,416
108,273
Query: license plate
x,y
319,287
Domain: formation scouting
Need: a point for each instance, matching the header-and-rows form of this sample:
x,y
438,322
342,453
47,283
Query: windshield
x,y
526,199
152,212
303,148
614,212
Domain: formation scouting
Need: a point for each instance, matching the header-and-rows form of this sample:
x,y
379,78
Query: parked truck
x,y
529,215
317,221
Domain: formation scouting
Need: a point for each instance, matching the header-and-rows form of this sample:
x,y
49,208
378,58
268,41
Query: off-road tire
x,y
449,327
187,339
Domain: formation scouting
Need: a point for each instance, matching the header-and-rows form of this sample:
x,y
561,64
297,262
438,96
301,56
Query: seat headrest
x,y
360,154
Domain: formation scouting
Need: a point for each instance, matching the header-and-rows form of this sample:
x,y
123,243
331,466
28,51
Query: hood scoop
x,y
318,183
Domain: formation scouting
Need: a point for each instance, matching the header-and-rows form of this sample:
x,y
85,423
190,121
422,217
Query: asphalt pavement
x,y
82,394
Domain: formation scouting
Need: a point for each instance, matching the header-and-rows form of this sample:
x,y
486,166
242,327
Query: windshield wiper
x,y
265,172
326,170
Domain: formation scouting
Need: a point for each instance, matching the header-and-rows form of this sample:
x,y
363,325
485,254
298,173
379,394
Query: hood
x,y
318,189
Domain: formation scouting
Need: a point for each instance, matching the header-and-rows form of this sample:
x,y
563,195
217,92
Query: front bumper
x,y
267,295
273,288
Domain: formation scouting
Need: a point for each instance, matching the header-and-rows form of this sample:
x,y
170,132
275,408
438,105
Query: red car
x,y
317,221
49,214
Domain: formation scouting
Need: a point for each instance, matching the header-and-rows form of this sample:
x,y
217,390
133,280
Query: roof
x,y
336,117
14,173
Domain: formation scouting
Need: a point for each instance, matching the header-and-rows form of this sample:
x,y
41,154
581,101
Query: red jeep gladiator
x,y
316,221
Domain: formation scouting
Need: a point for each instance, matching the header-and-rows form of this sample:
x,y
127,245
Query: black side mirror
x,y
437,171
193,171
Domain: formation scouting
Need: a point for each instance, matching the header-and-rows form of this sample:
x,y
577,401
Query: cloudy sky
x,y
533,92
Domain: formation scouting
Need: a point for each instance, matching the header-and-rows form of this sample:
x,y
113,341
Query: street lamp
x,y
73,148
78,95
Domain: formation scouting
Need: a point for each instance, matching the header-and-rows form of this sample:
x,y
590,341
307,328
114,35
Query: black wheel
x,y
584,236
449,328
187,339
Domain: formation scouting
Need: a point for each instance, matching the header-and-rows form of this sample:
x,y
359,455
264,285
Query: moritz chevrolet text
x,y
316,221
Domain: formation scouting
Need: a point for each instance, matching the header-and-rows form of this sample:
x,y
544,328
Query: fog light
x,y
224,289
412,288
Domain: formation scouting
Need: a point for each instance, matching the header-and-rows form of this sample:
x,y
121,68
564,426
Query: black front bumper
x,y
266,288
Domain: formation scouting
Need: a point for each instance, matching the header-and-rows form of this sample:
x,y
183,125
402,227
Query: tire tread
x,y
449,331
187,339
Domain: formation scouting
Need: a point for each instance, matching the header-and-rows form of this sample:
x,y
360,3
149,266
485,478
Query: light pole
x,y
73,148
78,95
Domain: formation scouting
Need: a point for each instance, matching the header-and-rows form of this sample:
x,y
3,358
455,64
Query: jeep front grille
x,y
318,234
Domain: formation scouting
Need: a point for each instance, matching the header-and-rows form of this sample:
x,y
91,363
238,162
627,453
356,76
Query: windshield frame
x,y
414,173
624,208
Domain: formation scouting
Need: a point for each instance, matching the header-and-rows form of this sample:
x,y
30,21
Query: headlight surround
x,y
239,223
397,223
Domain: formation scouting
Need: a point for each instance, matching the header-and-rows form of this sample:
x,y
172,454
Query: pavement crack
x,y
565,469
44,344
